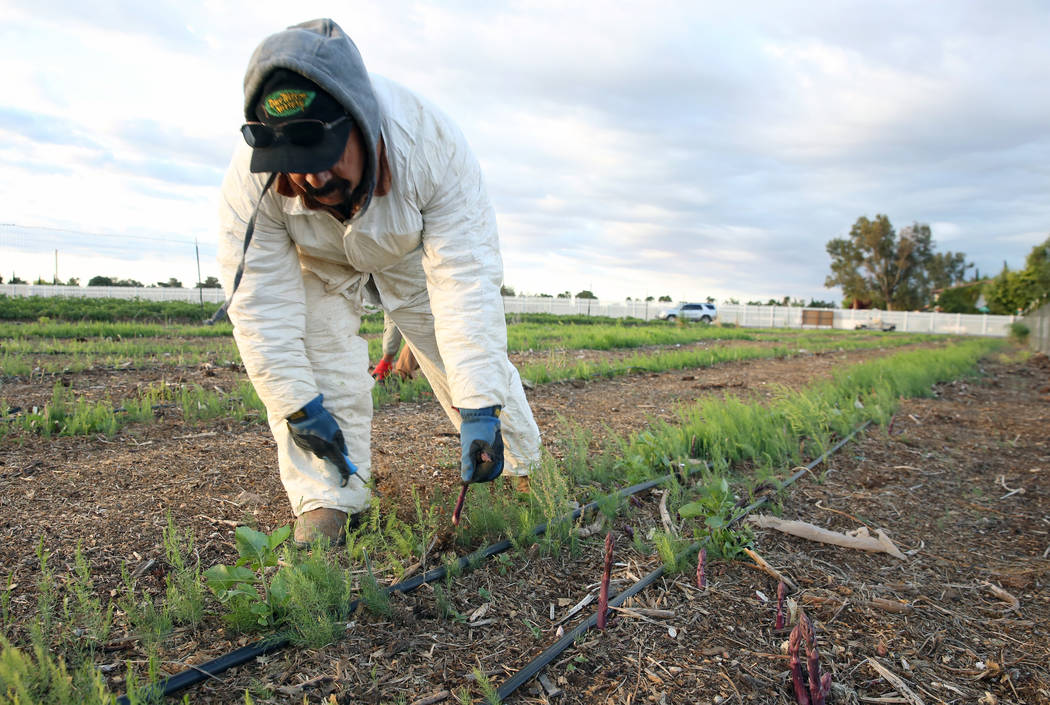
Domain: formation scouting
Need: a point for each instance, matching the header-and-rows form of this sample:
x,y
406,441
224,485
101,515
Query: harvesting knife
x,y
483,457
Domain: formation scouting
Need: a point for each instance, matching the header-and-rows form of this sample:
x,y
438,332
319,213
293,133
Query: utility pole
x,y
200,288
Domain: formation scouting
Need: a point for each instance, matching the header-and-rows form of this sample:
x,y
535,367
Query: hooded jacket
x,y
431,240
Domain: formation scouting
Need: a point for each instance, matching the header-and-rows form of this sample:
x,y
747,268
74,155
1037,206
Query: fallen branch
x,y
860,539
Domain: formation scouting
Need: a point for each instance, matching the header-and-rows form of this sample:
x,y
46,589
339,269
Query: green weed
x,y
184,589
373,597
488,690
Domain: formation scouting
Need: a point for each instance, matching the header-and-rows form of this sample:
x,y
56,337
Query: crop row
x,y
69,347
305,593
67,415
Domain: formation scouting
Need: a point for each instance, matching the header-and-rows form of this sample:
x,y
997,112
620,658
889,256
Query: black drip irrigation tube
x,y
211,669
531,669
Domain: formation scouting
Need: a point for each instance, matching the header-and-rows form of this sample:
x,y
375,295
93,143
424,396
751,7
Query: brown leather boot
x,y
311,525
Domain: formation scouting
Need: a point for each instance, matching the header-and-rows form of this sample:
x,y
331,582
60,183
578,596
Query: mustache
x,y
336,185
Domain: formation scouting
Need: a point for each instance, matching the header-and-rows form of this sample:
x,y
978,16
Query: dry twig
x,y
764,566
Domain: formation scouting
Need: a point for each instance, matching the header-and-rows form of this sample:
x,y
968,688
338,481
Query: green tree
x,y
874,265
15,279
1024,290
506,291
586,294
172,283
565,295
209,283
650,298
100,281
665,297
947,269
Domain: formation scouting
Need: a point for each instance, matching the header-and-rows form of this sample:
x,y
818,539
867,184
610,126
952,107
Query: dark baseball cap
x,y
301,128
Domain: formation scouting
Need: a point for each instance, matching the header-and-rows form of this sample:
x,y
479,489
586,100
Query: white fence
x,y
1039,328
776,316
848,319
146,293
738,314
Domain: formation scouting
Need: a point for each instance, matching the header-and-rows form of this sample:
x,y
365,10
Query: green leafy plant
x,y
243,585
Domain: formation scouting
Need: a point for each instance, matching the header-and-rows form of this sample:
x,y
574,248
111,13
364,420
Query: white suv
x,y
704,313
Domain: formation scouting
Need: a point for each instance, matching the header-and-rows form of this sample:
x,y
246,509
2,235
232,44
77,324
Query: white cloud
x,y
684,148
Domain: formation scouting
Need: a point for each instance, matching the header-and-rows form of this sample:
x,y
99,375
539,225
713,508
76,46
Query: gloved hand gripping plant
x,y
482,450
314,429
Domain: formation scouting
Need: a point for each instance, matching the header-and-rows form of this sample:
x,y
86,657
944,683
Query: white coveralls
x,y
391,337
432,249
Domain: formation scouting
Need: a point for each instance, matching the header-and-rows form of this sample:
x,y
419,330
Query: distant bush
x,y
577,320
960,299
1019,332
60,308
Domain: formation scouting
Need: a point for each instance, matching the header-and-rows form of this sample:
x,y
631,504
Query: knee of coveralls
x,y
338,358
521,436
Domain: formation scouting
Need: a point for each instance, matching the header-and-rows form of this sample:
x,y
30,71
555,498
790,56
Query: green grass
x,y
68,415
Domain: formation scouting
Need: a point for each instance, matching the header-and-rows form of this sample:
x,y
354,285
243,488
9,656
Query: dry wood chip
x,y
552,690
890,605
431,699
296,690
579,606
896,682
591,529
480,612
1003,595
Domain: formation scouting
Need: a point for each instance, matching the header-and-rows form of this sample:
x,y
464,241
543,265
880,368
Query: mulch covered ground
x,y
959,482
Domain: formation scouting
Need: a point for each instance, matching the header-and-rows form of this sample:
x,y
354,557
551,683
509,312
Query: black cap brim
x,y
291,159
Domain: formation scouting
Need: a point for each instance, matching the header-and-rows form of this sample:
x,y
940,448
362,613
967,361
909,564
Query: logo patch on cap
x,y
289,101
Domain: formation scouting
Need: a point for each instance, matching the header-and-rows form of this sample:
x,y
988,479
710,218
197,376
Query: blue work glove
x,y
316,430
482,444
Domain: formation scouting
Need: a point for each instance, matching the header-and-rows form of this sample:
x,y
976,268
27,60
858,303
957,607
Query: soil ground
x,y
959,481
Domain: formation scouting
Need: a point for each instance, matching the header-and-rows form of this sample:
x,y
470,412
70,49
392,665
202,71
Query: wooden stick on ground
x,y
665,517
766,568
899,685
435,698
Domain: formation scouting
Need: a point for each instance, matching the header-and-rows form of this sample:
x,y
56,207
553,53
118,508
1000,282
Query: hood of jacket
x,y
323,53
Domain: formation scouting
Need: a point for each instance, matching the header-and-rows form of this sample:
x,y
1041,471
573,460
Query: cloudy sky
x,y
691,149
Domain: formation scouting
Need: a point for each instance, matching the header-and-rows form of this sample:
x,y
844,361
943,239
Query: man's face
x,y
335,185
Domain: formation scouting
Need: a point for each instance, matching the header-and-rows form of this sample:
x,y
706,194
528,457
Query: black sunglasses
x,y
301,133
